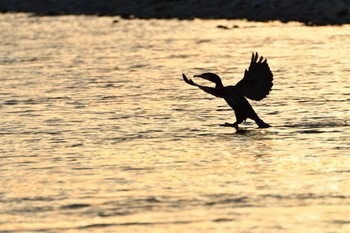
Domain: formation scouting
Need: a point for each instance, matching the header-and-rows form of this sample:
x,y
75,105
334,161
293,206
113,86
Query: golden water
x,y
100,133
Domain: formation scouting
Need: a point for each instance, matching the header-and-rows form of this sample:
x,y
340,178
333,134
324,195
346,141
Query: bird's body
x,y
256,85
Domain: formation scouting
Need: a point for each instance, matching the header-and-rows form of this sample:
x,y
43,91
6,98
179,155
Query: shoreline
x,y
312,12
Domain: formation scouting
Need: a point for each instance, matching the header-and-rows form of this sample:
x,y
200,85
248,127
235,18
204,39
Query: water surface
x,y
100,133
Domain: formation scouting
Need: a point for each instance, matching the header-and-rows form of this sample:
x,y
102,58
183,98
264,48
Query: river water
x,y
99,133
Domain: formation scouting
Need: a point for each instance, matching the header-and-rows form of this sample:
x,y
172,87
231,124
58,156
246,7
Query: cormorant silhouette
x,y
255,85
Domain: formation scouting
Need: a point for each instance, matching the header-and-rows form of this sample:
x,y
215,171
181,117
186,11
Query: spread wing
x,y
257,81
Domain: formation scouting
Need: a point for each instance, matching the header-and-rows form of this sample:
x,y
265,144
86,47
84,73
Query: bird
x,y
255,85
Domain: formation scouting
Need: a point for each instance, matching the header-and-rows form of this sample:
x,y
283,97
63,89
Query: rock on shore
x,y
310,12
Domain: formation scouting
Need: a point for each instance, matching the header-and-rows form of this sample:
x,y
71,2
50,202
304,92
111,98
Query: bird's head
x,y
212,78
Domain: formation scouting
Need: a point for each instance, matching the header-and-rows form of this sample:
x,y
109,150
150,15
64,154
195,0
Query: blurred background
x,y
311,12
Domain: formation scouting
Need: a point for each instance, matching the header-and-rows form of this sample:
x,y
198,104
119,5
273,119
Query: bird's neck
x,y
218,84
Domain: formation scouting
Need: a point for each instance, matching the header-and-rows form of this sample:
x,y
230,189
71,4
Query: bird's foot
x,y
227,125
235,125
264,125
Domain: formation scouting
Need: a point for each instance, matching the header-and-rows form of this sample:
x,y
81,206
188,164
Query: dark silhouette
x,y
311,12
255,85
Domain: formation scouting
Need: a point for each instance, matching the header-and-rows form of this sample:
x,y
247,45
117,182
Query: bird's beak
x,y
201,76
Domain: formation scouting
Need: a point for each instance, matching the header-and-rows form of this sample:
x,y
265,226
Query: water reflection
x,y
99,131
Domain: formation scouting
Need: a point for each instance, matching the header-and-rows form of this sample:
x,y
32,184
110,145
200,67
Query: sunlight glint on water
x,y
100,133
